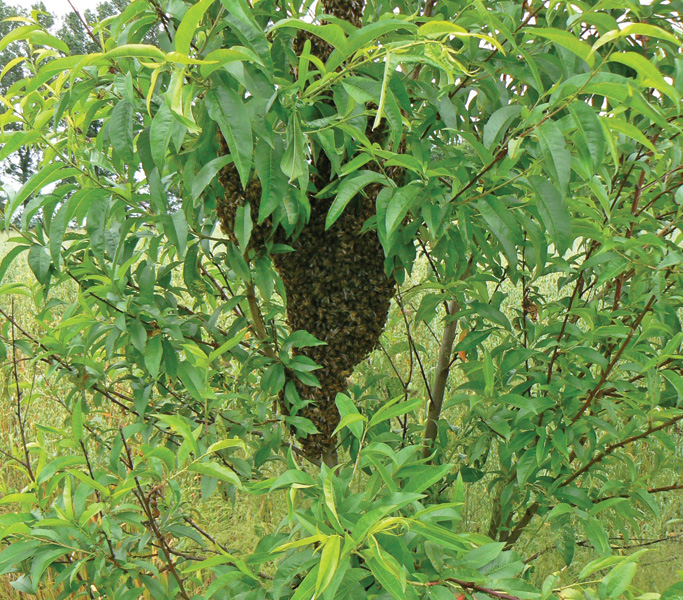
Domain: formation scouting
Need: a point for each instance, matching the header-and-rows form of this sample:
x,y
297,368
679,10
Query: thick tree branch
x,y
440,379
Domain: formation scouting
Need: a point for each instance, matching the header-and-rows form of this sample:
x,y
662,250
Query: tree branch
x,y
440,379
144,502
615,359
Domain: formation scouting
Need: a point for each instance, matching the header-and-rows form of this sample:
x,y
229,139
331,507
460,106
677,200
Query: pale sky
x,y
56,7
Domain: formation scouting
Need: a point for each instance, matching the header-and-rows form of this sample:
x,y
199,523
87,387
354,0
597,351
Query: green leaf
x,y
240,15
637,29
592,136
566,40
348,188
618,579
8,259
398,206
18,497
482,556
389,574
189,24
554,213
43,38
58,226
446,28
347,409
293,478
424,477
503,225
328,495
207,174
177,231
675,380
555,152
498,123
365,36
492,314
136,51
96,221
348,421
43,559
647,71
302,339
527,465
237,263
223,56
153,353
273,181
20,33
293,162
189,375
439,28
389,68
121,131
43,177
51,468
441,535
243,225
160,134
213,469
597,536
620,126
220,583
223,444
306,589
220,559
394,409
333,34
40,262
226,346
227,108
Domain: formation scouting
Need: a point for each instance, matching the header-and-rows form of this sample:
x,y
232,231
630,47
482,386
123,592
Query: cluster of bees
x,y
335,281
338,291
350,11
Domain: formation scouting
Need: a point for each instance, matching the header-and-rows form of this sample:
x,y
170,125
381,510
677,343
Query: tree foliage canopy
x,y
508,172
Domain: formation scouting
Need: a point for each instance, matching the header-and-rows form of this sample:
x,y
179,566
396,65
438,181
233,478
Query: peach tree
x,y
232,199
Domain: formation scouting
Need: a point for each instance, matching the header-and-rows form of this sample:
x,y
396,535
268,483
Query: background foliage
x,y
533,353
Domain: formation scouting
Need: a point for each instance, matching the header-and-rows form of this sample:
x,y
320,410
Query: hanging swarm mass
x,y
336,290
336,286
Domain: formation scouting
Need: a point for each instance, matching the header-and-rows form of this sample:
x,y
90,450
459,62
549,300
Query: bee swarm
x,y
335,282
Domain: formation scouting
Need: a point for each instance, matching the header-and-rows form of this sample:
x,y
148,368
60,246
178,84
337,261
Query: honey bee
x,y
530,308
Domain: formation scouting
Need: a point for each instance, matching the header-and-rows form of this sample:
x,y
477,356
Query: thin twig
x,y
467,585
213,540
20,418
99,499
606,372
144,502
86,26
413,347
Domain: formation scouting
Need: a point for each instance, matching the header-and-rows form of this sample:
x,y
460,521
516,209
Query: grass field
x,y
239,525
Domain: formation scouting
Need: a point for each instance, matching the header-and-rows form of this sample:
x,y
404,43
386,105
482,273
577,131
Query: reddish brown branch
x,y
20,417
471,585
151,518
606,372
